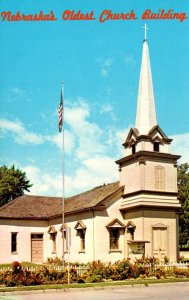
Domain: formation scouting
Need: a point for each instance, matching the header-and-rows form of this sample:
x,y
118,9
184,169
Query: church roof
x,y
42,207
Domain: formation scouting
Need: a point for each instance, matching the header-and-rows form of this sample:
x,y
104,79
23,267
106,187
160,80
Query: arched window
x,y
131,230
81,230
53,233
64,230
115,228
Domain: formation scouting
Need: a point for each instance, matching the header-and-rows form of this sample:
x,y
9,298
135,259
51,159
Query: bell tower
x,y
148,170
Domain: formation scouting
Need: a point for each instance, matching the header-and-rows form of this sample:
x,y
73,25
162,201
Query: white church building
x,y
136,216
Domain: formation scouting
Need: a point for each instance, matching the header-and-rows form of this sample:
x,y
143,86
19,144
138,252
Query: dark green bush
x,y
81,280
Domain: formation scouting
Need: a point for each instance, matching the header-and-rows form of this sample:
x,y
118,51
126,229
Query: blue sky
x,y
100,65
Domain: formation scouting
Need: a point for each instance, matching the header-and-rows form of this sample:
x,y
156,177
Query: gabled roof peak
x,y
115,223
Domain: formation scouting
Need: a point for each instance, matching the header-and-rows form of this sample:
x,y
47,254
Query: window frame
x,y
113,226
14,244
82,240
64,231
159,178
114,237
133,149
64,236
53,235
81,232
156,147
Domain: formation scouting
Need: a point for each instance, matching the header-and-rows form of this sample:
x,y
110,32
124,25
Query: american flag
x,y
60,111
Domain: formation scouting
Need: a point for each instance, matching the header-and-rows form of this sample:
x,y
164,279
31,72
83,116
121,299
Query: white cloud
x,y
115,139
57,140
76,113
106,108
87,135
105,65
21,135
129,60
104,72
43,182
180,146
102,166
93,150
20,93
88,144
93,172
108,62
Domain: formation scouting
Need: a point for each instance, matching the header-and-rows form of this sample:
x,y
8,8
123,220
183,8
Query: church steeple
x,y
146,113
148,174
147,135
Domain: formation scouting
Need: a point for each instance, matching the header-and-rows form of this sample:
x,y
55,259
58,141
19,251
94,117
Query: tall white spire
x,y
146,113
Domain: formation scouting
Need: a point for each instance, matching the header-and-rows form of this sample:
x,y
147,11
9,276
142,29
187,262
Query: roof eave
x,y
24,218
96,207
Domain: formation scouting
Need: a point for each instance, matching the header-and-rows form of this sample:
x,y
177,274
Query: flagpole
x,y
63,187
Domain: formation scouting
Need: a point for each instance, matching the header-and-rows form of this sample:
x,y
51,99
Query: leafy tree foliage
x,y
13,183
183,195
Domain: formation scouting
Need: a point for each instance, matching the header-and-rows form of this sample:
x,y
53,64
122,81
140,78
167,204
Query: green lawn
x,y
132,282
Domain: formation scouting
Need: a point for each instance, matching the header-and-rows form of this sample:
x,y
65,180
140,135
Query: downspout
x,y
177,237
125,244
93,235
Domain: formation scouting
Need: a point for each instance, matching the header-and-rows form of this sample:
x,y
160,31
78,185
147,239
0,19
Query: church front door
x,y
37,248
160,243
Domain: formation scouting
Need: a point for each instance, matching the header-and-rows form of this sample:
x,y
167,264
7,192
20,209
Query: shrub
x,y
81,280
55,261
19,276
181,273
96,278
98,271
96,268
135,272
73,275
146,265
16,267
160,272
166,260
124,269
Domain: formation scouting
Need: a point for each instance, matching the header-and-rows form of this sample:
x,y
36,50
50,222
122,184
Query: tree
x,y
13,183
183,196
